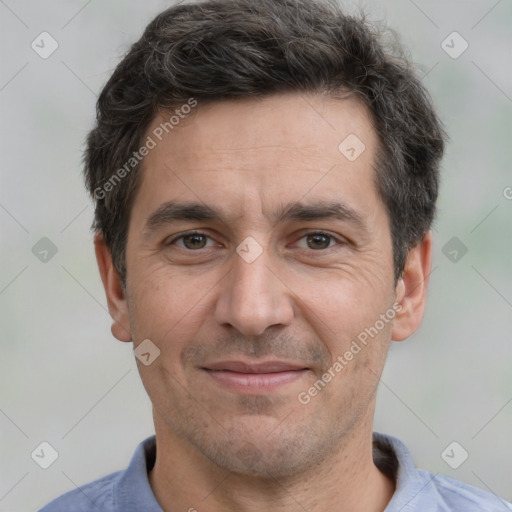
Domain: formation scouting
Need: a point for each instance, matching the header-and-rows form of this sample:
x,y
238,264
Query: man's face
x,y
257,253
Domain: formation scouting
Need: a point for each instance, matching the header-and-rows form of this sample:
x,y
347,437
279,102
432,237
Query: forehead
x,y
259,152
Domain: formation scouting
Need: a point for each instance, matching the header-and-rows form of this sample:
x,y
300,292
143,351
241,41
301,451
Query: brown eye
x,y
191,241
195,241
318,241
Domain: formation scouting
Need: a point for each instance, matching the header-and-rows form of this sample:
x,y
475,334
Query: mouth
x,y
244,377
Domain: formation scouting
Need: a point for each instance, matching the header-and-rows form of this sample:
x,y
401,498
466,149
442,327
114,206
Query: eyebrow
x,y
320,211
173,211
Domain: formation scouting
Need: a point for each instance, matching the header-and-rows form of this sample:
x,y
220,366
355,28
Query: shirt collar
x,y
132,492
413,491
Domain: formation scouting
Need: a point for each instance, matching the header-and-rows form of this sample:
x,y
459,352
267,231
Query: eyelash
x,y
311,233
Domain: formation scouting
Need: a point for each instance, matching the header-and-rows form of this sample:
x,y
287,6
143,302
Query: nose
x,y
253,297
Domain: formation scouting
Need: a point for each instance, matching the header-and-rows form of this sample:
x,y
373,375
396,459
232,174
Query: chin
x,y
266,463
249,450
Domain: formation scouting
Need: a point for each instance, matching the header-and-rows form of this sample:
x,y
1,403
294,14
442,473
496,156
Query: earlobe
x,y
116,298
411,290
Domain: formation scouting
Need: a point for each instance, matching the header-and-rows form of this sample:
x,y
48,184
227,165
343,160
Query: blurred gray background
x,y
66,381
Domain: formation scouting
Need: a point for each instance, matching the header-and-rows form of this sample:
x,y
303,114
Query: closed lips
x,y
242,367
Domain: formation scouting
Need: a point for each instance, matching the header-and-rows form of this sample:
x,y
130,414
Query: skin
x,y
303,301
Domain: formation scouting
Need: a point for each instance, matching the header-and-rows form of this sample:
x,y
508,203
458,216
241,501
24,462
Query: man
x,y
265,177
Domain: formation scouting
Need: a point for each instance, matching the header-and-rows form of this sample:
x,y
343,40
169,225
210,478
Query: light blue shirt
x,y
416,490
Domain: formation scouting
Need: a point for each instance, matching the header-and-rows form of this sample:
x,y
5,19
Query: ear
x,y
411,290
116,297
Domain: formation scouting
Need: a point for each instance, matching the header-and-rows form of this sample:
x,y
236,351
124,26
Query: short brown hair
x,y
228,49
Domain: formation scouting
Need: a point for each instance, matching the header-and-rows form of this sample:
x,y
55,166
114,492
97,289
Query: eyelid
x,y
340,240
174,238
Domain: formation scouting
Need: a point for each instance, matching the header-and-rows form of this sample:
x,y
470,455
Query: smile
x,y
249,378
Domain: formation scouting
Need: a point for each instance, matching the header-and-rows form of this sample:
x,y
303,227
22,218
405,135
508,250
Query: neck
x,y
184,479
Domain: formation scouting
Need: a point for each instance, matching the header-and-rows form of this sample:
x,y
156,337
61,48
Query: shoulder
x,y
421,490
94,496
456,495
118,492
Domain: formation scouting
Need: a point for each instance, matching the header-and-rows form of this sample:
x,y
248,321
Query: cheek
x,y
165,308
341,304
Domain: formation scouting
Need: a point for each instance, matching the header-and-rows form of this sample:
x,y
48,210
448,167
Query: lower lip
x,y
254,382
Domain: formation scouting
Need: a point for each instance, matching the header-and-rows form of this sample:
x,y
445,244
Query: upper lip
x,y
266,367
